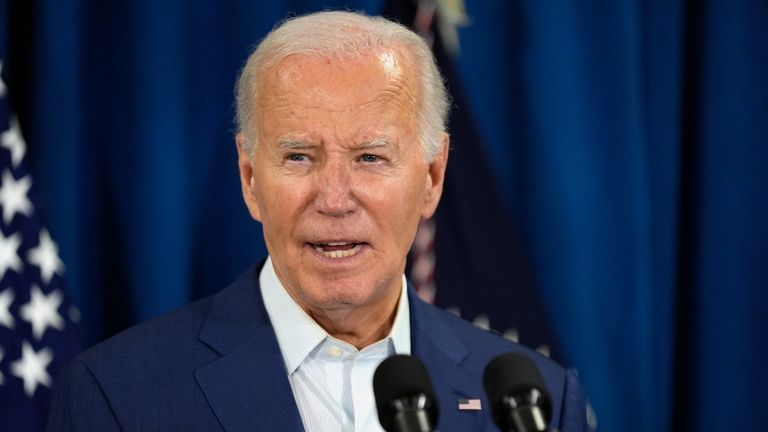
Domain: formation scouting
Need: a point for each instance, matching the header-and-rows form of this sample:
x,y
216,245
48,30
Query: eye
x,y
297,157
369,158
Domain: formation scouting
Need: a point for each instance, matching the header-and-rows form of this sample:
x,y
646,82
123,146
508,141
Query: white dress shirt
x,y
332,381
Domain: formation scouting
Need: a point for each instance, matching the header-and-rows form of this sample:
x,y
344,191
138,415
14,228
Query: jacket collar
x,y
246,392
444,354
247,387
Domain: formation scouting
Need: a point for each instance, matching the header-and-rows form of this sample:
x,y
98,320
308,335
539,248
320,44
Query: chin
x,y
334,296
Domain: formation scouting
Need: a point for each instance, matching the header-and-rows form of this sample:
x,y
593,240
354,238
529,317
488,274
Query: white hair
x,y
342,35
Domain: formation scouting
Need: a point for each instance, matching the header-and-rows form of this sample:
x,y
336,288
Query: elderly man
x,y
342,151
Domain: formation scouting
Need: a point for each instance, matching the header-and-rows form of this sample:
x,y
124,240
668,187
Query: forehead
x,y
376,80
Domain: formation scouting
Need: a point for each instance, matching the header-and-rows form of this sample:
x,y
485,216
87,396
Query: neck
x,y
358,320
358,326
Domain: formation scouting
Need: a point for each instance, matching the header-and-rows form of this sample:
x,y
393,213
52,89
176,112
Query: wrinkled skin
x,y
337,160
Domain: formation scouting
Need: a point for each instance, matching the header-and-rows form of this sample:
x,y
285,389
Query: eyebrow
x,y
293,144
375,144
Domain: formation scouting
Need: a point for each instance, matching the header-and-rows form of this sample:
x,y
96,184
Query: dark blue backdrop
x,y
629,140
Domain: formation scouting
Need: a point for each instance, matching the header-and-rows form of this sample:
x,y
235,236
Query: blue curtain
x,y
629,140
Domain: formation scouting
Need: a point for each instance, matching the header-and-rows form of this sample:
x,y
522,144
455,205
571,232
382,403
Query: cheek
x,y
399,203
279,203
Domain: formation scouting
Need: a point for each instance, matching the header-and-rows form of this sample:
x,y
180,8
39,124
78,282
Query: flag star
x,y
2,377
454,310
31,368
6,299
9,253
512,334
41,311
13,141
46,256
482,321
543,350
452,14
13,196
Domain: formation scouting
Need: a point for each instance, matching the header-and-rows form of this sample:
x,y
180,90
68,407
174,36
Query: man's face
x,y
337,179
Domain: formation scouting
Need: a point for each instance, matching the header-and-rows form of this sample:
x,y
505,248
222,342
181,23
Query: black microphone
x,y
517,394
405,399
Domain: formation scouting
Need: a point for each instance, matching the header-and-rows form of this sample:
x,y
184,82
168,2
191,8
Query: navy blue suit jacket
x,y
215,365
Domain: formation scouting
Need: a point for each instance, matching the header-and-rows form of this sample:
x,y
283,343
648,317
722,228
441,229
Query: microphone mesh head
x,y
402,376
514,374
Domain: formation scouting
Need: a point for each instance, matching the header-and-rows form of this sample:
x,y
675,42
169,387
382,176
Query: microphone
x,y
517,394
405,399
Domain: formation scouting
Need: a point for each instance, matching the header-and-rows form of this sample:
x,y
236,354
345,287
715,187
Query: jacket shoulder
x,y
480,346
483,344
149,340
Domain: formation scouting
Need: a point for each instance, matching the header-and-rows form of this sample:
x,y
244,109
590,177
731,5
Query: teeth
x,y
338,253
337,243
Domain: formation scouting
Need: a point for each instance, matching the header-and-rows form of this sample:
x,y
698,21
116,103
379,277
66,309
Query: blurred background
x,y
607,198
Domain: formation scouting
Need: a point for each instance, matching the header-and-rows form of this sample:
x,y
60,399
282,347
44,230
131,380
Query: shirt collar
x,y
298,334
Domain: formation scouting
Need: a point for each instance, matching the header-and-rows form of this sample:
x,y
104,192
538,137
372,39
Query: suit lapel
x,y
247,387
443,353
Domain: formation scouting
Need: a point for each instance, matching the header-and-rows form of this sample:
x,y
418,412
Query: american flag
x,y
470,405
37,324
469,258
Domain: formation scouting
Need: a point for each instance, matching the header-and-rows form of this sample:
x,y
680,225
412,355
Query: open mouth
x,y
337,249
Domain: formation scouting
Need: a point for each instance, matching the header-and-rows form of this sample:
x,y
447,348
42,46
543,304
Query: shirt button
x,y
334,351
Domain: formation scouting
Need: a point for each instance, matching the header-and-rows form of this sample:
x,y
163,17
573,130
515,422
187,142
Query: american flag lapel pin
x,y
470,405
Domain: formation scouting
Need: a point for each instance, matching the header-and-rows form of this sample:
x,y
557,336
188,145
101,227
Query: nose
x,y
335,196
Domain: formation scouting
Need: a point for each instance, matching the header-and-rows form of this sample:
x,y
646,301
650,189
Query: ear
x,y
435,179
247,177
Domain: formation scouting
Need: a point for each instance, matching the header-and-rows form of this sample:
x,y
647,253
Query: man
x,y
342,150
